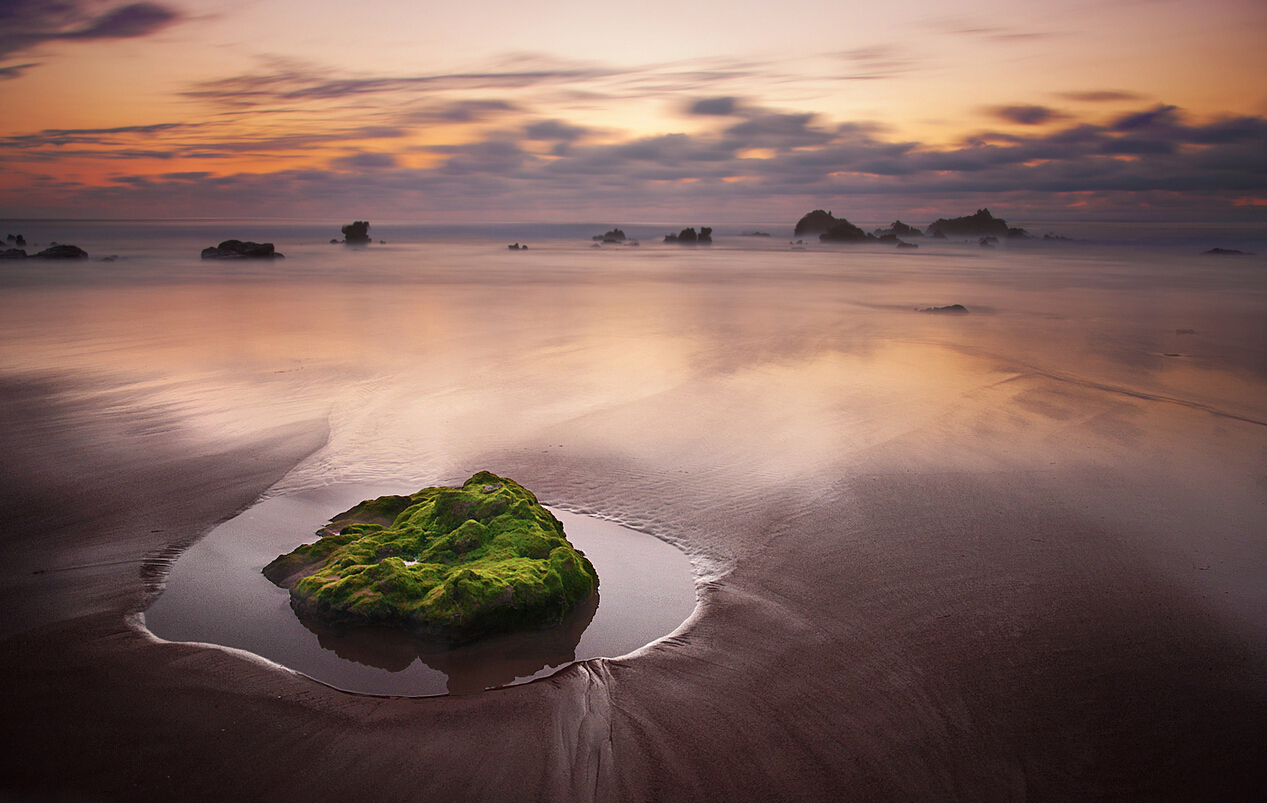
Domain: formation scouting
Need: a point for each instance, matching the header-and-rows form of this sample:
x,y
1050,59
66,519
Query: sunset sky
x,y
651,111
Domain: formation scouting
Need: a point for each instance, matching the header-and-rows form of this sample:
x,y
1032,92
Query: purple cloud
x,y
25,24
1026,115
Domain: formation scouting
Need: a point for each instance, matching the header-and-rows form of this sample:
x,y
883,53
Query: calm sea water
x,y
437,351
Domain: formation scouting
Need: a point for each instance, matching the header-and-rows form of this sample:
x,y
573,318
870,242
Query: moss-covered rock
x,y
446,563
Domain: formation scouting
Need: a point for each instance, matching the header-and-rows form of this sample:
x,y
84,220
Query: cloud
x,y
1164,117
774,130
1100,96
1151,150
876,62
300,83
1026,115
15,71
24,24
181,140
106,137
721,107
364,160
554,131
464,111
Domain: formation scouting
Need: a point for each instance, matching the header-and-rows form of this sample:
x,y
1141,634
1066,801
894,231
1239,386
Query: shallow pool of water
x,y
216,594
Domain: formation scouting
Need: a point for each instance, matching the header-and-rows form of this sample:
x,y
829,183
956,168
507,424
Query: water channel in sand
x,y
216,594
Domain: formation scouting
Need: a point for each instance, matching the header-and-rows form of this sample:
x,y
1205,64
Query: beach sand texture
x,y
1013,555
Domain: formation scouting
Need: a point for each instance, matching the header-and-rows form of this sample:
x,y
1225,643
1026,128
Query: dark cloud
x,y
301,84
466,111
89,136
1153,150
554,131
1100,96
15,70
774,130
364,161
721,107
1026,115
25,24
178,140
1158,117
137,19
502,156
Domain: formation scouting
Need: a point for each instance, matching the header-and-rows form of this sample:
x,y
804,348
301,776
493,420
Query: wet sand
x,y
1012,555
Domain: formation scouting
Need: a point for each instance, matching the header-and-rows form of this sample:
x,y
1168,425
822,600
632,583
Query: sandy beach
x,y
1013,555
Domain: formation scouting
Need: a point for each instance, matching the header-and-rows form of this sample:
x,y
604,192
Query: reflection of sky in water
x,y
746,362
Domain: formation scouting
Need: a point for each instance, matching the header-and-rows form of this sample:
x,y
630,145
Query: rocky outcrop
x,y
358,232
13,253
613,236
451,564
845,232
981,224
237,249
815,222
953,309
690,237
899,229
62,252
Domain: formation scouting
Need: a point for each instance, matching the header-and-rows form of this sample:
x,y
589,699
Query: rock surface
x,y
817,221
981,224
237,249
845,232
452,564
358,232
63,252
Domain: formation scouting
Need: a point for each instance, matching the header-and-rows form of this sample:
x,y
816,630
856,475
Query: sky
x,y
657,111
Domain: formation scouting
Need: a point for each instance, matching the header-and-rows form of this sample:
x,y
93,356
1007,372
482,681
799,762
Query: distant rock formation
x,y
1226,252
236,249
982,224
845,232
62,252
615,236
13,253
16,239
953,309
899,229
904,244
988,242
815,222
358,232
754,234
689,237
518,247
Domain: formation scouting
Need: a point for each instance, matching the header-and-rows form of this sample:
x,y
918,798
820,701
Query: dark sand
x,y
979,558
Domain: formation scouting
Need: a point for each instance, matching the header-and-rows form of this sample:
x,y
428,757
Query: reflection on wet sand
x,y
1013,554
486,664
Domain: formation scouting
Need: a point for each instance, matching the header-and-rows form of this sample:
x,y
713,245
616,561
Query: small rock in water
x,y
237,249
63,252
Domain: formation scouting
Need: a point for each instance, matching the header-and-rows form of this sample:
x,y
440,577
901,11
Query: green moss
x,y
448,563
